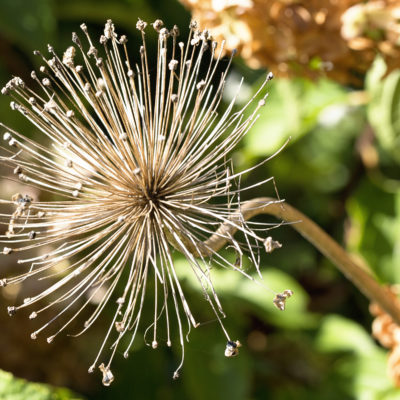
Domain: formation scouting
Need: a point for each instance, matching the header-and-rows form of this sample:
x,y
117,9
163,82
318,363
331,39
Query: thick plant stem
x,y
364,280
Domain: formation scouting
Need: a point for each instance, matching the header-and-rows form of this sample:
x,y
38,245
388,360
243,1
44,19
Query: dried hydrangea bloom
x,y
387,332
134,167
308,38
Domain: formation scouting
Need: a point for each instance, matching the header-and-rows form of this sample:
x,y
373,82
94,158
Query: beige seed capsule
x,y
108,376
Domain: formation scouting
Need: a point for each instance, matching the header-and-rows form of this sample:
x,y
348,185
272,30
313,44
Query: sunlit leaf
x,y
384,106
232,285
374,229
19,389
367,367
292,109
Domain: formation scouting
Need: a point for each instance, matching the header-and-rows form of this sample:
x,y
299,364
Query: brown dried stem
x,y
363,279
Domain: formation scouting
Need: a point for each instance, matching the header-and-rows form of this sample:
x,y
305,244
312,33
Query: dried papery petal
x,y
383,329
137,166
310,38
387,332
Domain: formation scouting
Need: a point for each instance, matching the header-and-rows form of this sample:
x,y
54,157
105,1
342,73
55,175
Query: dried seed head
x,y
103,40
280,299
154,176
92,52
270,244
163,34
206,35
68,58
201,85
157,25
175,31
173,64
232,348
175,376
50,339
50,106
76,40
123,39
109,29
11,310
14,84
7,250
141,25
108,376
119,326
101,84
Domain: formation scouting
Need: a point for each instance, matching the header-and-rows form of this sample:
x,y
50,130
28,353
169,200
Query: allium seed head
x,y
137,167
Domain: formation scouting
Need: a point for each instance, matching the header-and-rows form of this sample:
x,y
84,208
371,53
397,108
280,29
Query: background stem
x,y
363,279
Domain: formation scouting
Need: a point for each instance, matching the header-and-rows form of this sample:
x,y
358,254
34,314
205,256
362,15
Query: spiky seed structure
x,y
136,167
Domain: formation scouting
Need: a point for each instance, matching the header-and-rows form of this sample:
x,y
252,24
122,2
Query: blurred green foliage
x,y
320,347
12,388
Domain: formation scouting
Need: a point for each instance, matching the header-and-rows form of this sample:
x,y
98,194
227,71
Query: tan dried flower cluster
x,y
335,38
385,330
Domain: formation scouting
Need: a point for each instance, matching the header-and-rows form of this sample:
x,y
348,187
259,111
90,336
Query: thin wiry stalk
x,y
135,169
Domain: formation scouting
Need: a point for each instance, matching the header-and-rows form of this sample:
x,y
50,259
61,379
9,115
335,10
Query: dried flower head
x,y
309,38
387,332
136,168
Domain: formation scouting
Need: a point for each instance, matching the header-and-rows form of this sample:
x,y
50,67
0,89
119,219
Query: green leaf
x,y
341,334
292,110
231,284
367,366
375,229
209,374
384,107
12,388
